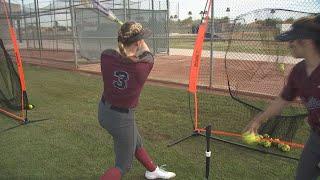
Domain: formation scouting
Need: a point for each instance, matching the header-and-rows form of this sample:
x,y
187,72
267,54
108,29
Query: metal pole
x,y
39,21
37,25
55,25
19,26
124,10
98,17
65,3
167,24
153,28
129,13
25,24
73,32
211,45
10,11
100,48
33,38
19,30
51,39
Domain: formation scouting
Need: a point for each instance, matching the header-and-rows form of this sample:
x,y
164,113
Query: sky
x,y
238,7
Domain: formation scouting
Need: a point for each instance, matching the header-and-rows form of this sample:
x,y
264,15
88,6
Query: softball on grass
x,y
266,136
280,145
250,138
261,142
266,144
30,106
281,67
285,148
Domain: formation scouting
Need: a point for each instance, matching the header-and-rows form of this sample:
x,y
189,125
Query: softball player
x,y
303,82
124,74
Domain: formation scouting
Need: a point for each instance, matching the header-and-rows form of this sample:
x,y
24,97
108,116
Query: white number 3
x,y
122,81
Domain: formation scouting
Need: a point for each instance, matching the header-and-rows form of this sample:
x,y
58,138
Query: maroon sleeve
x,y
289,92
146,57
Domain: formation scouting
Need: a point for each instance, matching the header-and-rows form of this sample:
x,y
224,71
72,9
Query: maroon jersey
x,y
123,79
307,88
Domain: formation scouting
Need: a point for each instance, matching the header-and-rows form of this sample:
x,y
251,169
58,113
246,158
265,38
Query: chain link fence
x,y
78,32
69,31
212,72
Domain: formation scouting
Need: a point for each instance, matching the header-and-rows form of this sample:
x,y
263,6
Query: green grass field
x,y
72,145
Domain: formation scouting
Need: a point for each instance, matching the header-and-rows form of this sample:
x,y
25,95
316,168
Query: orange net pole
x,y
196,58
19,118
17,55
195,64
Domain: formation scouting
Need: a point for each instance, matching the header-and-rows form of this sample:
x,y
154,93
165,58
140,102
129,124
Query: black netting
x,y
258,66
10,88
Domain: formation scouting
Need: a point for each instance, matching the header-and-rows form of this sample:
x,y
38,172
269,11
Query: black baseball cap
x,y
302,31
132,31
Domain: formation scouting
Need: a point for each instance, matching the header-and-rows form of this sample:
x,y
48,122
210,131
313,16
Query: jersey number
x,y
122,81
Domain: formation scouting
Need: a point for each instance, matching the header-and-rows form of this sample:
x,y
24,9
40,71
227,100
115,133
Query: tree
x,y
203,12
289,20
187,21
272,22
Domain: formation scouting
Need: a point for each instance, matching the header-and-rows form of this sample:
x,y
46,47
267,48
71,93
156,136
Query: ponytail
x,y
121,48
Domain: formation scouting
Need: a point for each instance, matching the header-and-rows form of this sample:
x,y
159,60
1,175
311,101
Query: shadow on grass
x,y
26,123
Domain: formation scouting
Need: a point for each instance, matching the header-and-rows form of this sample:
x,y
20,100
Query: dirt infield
x,y
254,77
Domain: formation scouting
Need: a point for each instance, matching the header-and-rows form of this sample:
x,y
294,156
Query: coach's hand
x,y
253,126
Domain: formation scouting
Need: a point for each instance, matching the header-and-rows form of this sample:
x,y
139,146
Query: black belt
x,y
115,108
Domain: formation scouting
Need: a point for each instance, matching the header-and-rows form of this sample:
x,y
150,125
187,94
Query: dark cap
x,y
306,28
131,32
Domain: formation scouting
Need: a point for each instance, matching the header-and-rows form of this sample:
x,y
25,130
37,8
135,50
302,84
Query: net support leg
x,y
193,134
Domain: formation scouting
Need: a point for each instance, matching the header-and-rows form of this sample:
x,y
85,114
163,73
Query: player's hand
x,y
142,47
253,126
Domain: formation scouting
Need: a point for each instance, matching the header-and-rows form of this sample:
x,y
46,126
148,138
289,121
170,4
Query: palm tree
x,y
190,15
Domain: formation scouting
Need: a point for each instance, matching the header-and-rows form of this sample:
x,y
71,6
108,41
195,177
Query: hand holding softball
x,y
250,138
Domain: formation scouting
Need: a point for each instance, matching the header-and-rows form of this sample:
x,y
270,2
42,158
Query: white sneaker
x,y
159,173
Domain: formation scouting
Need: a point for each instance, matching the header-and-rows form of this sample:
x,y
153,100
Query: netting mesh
x,y
10,89
257,68
255,62
13,96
